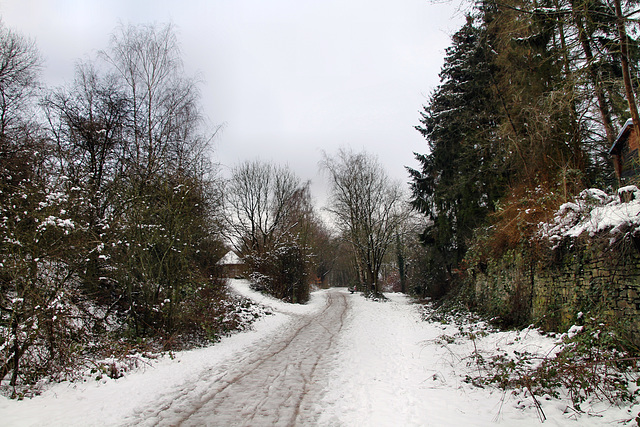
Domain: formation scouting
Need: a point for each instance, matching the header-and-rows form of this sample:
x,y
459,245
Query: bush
x,y
210,313
281,272
593,361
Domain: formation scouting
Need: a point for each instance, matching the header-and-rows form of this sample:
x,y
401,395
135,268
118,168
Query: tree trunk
x,y
624,62
17,352
602,102
402,272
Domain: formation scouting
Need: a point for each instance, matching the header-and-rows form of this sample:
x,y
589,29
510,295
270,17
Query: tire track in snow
x,y
276,382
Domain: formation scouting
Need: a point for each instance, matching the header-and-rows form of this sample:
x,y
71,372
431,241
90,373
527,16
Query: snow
x,y
393,369
396,370
243,288
594,212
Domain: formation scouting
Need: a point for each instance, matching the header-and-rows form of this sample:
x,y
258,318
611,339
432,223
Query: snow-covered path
x,y
275,382
393,371
341,360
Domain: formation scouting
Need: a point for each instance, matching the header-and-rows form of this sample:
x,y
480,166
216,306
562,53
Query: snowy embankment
x,y
397,370
393,369
107,402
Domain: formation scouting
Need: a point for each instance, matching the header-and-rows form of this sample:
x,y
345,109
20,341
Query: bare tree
x,y
19,86
259,199
165,114
367,207
270,221
87,124
19,70
167,207
35,230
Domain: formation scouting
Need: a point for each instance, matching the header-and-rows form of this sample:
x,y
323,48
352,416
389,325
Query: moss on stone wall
x,y
503,289
550,286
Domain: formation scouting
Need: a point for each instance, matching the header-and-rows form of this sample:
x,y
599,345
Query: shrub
x,y
282,272
593,361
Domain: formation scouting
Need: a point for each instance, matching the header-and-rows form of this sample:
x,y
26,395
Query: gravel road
x,y
276,382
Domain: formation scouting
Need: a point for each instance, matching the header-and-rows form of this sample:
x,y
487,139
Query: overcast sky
x,y
287,78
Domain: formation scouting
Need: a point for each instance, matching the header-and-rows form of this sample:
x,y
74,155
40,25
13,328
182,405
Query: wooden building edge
x,y
624,153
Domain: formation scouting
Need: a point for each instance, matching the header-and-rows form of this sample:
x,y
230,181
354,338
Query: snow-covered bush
x,y
591,360
39,315
210,313
282,272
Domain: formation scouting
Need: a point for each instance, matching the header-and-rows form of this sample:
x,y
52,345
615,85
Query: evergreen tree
x,y
464,173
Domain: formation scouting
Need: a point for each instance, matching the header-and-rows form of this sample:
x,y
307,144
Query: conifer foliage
x,y
532,95
464,172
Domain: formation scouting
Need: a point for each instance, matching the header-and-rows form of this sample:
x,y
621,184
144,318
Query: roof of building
x,y
230,259
622,134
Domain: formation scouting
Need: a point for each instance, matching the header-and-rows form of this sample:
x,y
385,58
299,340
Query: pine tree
x,y
463,173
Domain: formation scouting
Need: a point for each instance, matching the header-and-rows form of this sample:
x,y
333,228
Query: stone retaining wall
x,y
580,275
